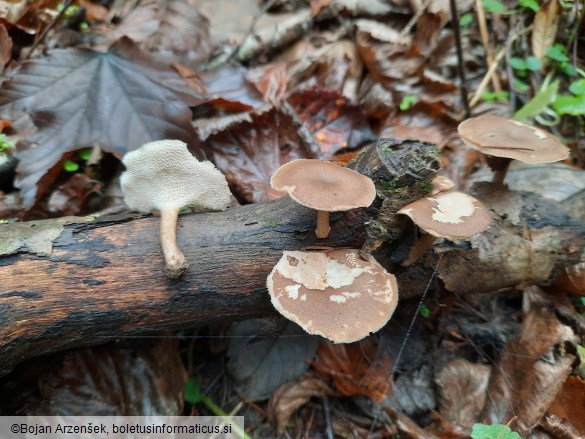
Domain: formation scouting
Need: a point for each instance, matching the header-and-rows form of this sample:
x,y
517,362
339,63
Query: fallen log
x,y
72,282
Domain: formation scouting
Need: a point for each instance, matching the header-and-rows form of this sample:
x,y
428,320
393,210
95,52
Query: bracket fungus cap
x,y
335,294
451,215
508,138
163,175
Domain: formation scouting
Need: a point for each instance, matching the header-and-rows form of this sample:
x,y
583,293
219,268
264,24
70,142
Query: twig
x,y
486,78
460,64
414,19
486,43
327,416
48,28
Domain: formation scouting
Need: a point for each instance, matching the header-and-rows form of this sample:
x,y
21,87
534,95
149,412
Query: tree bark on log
x,y
68,285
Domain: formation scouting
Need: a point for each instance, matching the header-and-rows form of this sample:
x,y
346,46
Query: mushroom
x,y
503,139
325,187
441,184
164,176
451,215
335,294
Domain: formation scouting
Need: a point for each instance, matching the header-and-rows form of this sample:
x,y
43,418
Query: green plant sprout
x,y
407,102
425,311
489,96
495,431
466,19
73,165
193,395
5,142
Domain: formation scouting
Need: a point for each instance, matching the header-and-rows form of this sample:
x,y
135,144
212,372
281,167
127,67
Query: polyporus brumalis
x,y
325,187
164,176
502,139
451,215
335,293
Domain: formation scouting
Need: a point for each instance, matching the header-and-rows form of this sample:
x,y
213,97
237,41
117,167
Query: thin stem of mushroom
x,y
323,227
421,245
175,260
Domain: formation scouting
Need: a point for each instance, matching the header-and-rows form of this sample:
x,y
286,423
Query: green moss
x,y
273,222
389,185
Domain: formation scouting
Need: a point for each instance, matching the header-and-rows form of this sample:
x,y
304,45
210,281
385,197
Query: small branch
x,y
48,28
460,62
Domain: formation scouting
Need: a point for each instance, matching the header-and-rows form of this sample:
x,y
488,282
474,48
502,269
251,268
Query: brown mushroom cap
x,y
502,137
335,294
451,215
323,185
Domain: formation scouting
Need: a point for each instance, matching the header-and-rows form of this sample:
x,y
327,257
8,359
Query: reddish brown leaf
x,y
290,396
71,197
270,81
248,153
355,369
332,120
65,93
570,403
94,11
230,89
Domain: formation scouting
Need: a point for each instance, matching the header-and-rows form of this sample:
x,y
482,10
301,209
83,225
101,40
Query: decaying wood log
x,y
73,282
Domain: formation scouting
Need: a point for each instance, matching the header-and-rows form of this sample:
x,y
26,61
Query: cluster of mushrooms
x,y
336,294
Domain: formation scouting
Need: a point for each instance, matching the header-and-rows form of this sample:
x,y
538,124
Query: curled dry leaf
x,y
72,197
270,80
334,122
173,30
63,93
5,47
230,90
546,22
290,396
356,369
248,153
112,380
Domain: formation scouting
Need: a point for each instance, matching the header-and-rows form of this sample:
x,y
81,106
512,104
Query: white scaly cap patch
x,y
335,294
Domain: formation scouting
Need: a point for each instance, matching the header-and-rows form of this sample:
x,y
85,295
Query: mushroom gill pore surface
x,y
335,294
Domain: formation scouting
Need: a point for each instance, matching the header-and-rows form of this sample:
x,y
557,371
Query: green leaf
x,y
517,63
425,311
539,103
493,6
466,19
496,431
567,68
5,143
533,63
530,4
557,53
70,166
490,96
573,105
407,102
578,87
192,391
84,154
521,86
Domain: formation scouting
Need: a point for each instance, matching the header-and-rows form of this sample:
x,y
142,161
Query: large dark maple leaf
x,y
76,98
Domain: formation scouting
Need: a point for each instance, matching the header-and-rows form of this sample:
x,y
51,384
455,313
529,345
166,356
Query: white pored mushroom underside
x,y
335,294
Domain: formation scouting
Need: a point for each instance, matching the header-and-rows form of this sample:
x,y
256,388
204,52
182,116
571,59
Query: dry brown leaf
x,y
270,80
290,396
248,153
573,279
5,47
570,403
94,11
462,391
355,369
334,123
546,22
317,5
72,197
532,368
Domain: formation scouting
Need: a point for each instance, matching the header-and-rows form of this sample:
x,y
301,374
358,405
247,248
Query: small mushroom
x,y
335,294
441,184
451,215
164,176
503,139
325,187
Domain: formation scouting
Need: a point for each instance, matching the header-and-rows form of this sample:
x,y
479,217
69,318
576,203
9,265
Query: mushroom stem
x,y
500,167
421,245
176,264
323,228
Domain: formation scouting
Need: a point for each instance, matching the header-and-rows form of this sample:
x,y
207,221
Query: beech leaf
x,y
79,98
